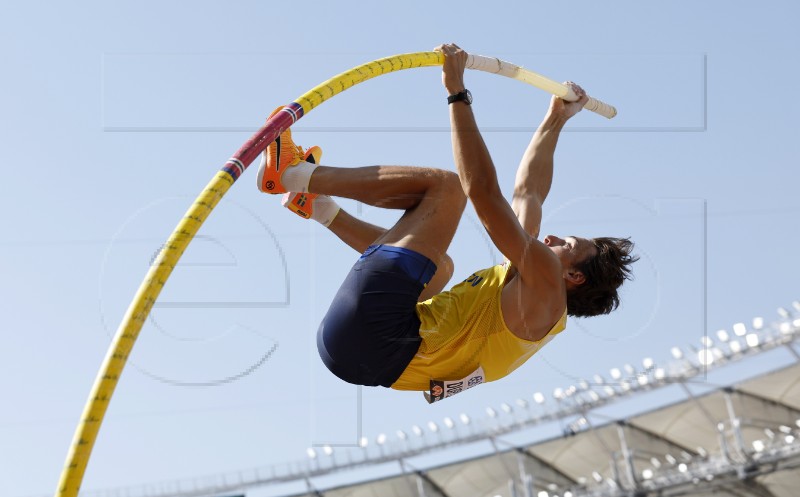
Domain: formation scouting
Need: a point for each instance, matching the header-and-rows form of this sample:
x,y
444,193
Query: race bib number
x,y
441,390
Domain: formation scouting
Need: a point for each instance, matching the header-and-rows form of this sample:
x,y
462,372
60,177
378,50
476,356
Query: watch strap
x,y
463,95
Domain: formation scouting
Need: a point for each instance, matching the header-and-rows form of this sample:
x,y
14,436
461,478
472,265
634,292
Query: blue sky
x,y
115,116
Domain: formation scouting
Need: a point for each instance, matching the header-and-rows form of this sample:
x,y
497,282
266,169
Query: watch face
x,y
468,96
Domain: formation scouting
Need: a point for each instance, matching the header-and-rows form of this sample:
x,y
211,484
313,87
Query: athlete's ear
x,y
574,276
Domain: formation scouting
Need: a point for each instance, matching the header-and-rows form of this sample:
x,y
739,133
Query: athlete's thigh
x,y
429,227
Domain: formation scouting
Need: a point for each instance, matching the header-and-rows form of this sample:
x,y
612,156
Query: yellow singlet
x,y
463,329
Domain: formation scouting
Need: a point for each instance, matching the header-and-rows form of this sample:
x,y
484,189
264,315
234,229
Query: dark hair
x,y
604,274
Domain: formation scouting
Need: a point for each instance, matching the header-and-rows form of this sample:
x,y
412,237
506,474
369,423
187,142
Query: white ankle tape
x,y
325,210
296,178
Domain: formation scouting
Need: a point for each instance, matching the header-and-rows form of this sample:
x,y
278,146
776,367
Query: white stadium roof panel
x,y
682,438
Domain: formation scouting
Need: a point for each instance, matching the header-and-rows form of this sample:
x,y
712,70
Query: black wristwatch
x,y
462,96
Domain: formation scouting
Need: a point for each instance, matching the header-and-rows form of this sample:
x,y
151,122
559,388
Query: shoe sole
x,y
262,169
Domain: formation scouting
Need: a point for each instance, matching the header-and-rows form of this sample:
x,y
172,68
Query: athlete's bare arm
x,y
539,268
535,173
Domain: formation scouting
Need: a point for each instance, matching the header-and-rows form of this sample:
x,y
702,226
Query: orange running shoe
x,y
279,156
313,155
301,204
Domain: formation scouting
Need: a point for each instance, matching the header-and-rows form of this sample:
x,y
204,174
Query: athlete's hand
x,y
455,61
564,109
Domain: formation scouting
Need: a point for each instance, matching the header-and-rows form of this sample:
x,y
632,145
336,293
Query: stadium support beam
x,y
744,393
699,405
427,479
499,454
756,488
541,462
421,479
627,458
312,490
651,434
734,420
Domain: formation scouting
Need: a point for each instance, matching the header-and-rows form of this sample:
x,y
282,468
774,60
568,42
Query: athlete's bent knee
x,y
446,267
450,187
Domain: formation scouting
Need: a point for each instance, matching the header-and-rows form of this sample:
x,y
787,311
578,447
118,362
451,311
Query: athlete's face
x,y
571,251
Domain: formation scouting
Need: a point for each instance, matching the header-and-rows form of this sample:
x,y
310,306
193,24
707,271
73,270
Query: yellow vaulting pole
x,y
128,330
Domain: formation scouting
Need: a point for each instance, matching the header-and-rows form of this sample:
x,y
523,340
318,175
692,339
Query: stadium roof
x,y
738,441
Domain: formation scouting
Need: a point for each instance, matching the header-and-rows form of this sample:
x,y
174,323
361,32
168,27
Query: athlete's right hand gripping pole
x,y
497,66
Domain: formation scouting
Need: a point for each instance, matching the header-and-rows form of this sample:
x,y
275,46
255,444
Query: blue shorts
x,y
371,331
